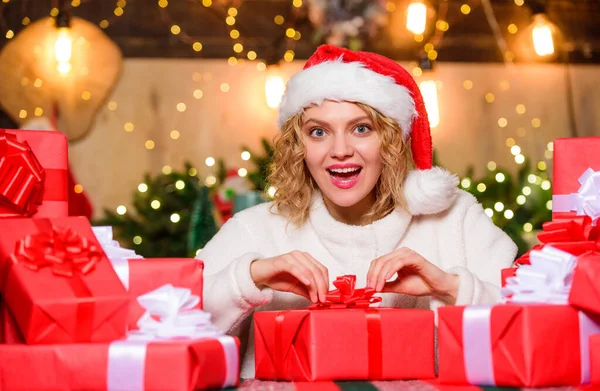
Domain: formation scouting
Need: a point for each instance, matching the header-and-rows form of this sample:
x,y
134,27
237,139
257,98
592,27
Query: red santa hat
x,y
338,74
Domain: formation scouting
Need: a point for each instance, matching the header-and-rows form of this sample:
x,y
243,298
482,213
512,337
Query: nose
x,y
341,147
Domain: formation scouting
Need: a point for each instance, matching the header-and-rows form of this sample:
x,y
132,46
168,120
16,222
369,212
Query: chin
x,y
345,198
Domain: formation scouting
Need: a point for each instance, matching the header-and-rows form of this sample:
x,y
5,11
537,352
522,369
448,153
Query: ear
x,y
430,191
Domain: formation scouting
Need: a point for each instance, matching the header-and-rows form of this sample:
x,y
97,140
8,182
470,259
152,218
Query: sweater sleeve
x,y
229,293
487,251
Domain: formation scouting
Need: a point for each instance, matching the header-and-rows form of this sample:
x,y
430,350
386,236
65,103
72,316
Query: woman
x,y
349,201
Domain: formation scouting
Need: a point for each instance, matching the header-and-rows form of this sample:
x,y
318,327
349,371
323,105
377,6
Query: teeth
x,y
344,170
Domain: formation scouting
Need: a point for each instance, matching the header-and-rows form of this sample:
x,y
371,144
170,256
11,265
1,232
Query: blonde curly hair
x,y
295,186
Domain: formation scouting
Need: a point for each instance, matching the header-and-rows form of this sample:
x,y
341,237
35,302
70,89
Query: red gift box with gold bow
x,y
33,174
344,339
57,283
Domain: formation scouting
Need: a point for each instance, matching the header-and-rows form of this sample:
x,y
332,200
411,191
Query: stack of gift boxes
x,y
77,312
546,330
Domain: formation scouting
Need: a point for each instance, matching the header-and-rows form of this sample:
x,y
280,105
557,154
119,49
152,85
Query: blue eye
x,y
362,129
317,132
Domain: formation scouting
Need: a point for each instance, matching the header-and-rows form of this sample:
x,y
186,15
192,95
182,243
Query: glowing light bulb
x,y
210,180
63,50
416,17
546,185
543,43
274,89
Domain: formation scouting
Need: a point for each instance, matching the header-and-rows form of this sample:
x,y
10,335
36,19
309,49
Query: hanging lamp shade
x,y
68,70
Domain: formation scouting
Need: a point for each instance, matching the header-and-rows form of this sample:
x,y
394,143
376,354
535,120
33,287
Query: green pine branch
x,y
262,163
514,200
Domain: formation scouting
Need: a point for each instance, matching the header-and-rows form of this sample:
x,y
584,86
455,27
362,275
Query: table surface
x,y
257,385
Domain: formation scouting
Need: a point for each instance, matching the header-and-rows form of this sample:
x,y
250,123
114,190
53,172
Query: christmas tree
x,y
172,216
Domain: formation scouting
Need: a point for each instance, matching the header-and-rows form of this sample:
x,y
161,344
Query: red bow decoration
x,y
21,178
64,250
575,235
347,296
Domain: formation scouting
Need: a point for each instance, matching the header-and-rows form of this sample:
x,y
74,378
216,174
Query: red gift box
x,y
344,344
585,291
142,275
175,366
33,174
572,157
147,274
514,345
57,283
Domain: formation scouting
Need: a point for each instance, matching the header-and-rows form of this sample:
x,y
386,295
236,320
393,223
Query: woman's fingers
x,y
307,267
321,275
377,274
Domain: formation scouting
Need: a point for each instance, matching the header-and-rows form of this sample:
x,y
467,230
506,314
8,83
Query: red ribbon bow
x,y
575,235
21,178
64,250
347,296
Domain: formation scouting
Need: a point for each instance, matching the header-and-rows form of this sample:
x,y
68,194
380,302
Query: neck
x,y
351,215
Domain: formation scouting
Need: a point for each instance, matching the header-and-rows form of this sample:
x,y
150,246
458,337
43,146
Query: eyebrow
x,y
323,123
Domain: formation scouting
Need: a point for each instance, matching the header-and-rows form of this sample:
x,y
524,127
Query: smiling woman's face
x,y
342,151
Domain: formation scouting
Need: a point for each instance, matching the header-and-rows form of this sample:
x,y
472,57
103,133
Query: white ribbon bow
x,y
547,279
111,247
586,202
170,315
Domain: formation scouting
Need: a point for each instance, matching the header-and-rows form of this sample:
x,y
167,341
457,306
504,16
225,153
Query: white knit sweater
x,y
462,240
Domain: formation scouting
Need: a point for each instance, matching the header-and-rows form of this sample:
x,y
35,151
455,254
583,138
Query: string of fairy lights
x,y
241,53
238,49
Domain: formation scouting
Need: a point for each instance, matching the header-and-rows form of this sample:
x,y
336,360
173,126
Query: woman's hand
x,y
415,276
296,272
